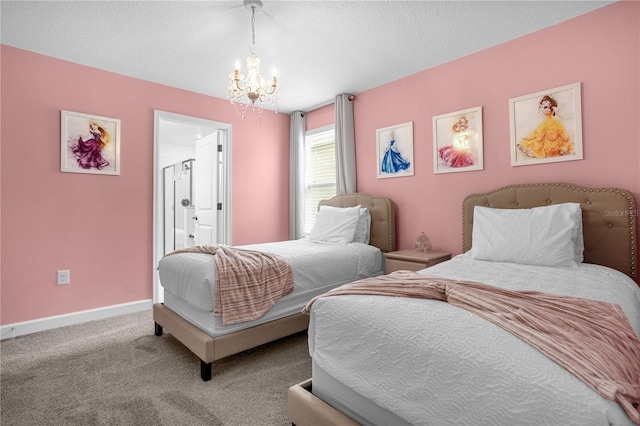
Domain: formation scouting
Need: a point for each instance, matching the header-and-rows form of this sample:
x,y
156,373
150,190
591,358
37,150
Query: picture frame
x,y
395,151
458,141
556,111
89,143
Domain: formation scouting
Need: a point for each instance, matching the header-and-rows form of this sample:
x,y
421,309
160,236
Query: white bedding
x,y
212,325
428,362
191,276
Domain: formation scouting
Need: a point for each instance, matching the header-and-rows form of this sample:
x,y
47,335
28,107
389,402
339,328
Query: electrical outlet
x,y
64,277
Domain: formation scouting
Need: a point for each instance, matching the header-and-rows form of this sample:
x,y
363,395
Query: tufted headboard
x,y
608,218
383,216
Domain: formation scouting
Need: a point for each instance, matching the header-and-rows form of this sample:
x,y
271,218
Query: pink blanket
x,y
248,282
591,339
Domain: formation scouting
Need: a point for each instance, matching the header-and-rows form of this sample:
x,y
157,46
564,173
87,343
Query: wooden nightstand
x,y
413,261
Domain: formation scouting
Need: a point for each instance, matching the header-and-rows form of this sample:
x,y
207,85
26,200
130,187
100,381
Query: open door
x,y
206,190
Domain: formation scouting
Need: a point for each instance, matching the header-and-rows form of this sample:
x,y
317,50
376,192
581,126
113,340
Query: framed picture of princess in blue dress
x,y
546,126
395,150
457,141
89,144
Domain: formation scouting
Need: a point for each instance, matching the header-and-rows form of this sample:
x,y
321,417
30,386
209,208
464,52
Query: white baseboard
x,y
43,324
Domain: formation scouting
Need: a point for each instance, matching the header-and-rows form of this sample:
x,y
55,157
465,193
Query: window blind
x,y
320,172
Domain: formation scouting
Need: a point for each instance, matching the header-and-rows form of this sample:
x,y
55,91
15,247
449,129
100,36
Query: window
x,y
320,171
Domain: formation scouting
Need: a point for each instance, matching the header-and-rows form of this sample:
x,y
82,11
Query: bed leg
x,y
159,330
205,370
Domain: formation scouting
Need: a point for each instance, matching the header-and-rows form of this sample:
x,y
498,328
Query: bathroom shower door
x,y
178,211
206,188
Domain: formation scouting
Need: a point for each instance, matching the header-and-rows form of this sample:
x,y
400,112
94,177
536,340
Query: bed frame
x,y
210,349
609,218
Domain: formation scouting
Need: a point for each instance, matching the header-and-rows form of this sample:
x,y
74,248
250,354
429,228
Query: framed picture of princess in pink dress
x,y
89,144
546,126
457,141
395,150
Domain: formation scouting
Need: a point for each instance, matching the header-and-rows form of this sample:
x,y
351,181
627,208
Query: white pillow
x,y
363,227
547,236
335,224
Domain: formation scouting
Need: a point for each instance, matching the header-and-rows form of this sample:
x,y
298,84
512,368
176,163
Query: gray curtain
x,y
345,145
296,175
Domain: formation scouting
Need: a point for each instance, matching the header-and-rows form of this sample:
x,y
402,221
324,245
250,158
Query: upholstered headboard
x,y
383,216
608,218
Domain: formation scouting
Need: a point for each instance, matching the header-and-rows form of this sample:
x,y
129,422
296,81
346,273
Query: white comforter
x,y
432,363
191,276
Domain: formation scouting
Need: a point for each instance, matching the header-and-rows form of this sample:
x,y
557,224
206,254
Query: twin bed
x,y
396,360
188,280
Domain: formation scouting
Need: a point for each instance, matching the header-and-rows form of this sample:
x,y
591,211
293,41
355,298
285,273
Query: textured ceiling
x,y
319,48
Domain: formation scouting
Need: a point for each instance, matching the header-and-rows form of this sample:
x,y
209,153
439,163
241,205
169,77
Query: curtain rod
x,y
324,104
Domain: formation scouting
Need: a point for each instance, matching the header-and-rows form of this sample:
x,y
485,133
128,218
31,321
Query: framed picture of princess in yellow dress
x,y
546,126
89,144
457,141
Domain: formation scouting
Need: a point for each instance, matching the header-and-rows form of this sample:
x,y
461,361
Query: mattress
x,y
188,279
437,364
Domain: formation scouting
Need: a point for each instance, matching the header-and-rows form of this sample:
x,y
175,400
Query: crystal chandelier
x,y
252,90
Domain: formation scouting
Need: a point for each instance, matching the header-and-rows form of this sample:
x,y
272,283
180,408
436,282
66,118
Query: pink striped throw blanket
x,y
593,340
248,282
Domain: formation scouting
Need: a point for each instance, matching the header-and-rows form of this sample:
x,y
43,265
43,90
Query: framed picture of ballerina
x,y
395,150
89,144
457,141
546,126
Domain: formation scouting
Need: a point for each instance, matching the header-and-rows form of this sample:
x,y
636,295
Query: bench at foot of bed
x,y
210,349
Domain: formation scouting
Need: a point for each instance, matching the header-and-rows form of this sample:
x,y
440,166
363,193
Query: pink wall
x,y
100,227
320,117
600,49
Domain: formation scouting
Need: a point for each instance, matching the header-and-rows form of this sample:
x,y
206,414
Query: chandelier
x,y
252,90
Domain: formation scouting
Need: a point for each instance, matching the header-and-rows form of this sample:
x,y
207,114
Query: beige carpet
x,y
117,372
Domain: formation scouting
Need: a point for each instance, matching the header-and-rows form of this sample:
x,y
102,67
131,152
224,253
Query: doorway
x,y
178,141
